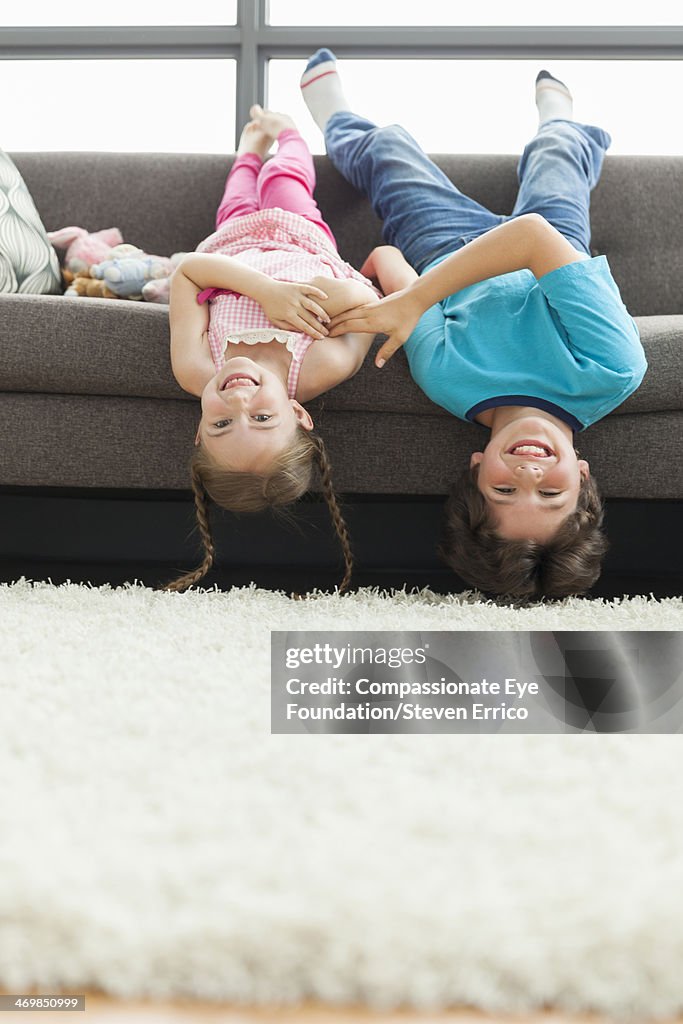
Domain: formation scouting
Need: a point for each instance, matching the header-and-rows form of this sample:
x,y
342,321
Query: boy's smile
x,y
529,473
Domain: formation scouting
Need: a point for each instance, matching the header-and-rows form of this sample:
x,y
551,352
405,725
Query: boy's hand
x,y
395,315
369,268
292,307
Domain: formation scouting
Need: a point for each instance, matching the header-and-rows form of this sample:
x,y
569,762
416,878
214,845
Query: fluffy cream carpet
x,y
157,840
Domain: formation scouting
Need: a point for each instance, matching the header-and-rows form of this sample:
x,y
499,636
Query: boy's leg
x,y
287,180
560,166
424,214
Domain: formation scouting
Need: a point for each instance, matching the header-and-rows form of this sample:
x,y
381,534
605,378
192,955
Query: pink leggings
x,y
286,180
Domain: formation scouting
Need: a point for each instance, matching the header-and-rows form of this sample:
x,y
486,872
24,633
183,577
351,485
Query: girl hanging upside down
x,y
248,314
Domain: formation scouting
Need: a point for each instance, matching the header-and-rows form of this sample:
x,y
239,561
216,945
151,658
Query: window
x,y
487,106
183,77
119,105
47,13
493,12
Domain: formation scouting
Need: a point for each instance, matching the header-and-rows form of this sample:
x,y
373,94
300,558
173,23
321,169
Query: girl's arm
x,y
331,363
289,306
339,358
527,242
190,354
189,321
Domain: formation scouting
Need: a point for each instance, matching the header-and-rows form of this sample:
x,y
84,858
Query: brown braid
x,y
335,512
290,477
202,509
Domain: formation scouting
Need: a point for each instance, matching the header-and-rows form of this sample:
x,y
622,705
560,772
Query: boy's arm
x,y
388,266
526,242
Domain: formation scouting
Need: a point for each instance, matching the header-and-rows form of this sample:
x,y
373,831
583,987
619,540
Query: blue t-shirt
x,y
564,343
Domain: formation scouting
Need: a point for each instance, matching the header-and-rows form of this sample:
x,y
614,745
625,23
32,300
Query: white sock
x,y
553,98
321,87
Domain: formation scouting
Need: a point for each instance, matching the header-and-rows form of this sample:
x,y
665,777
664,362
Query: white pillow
x,y
28,263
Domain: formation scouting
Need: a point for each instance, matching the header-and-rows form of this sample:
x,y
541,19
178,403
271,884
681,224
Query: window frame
x,y
252,42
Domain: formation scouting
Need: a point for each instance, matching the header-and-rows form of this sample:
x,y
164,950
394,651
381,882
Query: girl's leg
x,y
241,194
424,214
287,180
241,188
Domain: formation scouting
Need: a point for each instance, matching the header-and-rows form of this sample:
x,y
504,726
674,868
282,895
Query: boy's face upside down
x,y
529,473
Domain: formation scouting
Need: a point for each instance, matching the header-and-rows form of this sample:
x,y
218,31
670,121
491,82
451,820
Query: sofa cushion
x,y
169,200
80,346
162,202
28,263
109,442
90,401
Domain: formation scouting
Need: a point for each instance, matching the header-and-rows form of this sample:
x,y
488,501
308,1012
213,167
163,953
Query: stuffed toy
x,y
159,289
137,275
102,265
82,248
84,284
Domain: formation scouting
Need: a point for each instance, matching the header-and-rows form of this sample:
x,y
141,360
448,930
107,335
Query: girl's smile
x,y
238,380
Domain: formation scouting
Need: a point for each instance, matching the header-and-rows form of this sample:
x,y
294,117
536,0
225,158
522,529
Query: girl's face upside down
x,y
247,417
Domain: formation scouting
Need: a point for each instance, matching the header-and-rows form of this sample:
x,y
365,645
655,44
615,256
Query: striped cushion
x,y
28,263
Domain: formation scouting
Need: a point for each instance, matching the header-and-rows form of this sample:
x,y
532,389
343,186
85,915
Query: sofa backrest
x,y
166,203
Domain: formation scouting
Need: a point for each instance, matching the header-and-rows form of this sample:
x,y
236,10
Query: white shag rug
x,y
157,840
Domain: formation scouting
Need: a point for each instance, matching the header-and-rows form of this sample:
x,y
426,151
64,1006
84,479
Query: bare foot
x,y
255,140
270,121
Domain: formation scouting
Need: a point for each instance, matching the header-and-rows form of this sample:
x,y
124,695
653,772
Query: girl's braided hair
x,y
290,477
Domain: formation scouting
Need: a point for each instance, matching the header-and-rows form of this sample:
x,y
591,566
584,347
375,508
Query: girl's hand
x,y
292,307
395,315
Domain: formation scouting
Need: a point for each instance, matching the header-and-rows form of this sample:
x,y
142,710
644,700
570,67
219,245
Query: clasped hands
x,y
301,307
395,316
292,306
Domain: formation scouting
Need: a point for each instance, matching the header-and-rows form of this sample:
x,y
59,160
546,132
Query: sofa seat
x,y
88,399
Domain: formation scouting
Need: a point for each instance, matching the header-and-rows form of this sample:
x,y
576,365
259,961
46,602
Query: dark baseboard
x,y
117,537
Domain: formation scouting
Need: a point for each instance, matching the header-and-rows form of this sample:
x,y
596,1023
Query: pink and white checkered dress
x,y
286,247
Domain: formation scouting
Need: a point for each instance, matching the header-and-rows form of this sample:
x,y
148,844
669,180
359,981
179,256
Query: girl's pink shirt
x,y
286,247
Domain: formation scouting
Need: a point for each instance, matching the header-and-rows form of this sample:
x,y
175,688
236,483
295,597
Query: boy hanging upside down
x,y
506,321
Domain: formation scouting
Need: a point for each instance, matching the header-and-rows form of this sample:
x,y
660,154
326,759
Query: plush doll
x,y
83,284
159,289
82,248
127,275
102,265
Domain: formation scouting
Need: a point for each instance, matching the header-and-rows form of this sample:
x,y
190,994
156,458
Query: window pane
x,y
35,13
487,106
175,116
493,12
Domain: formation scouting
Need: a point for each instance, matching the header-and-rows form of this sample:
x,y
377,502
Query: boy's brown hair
x,y
568,564
289,478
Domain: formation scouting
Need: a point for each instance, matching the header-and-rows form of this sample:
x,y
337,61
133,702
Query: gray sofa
x,y
89,400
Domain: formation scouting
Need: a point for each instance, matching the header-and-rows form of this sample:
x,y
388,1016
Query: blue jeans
x,y
426,216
